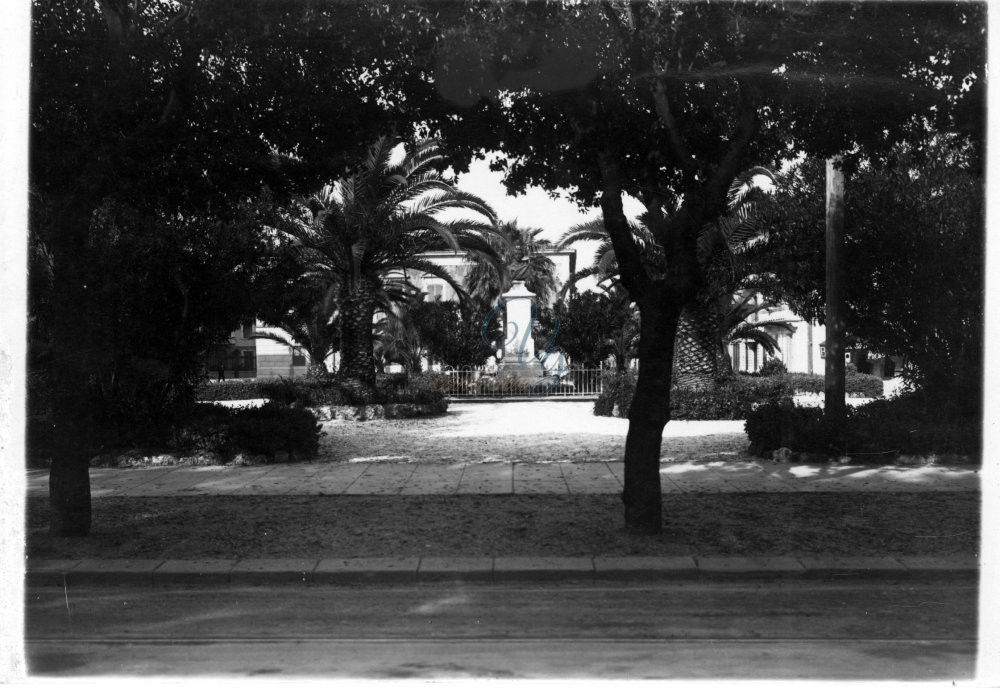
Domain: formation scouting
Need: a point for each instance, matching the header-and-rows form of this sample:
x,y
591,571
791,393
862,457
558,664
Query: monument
x,y
519,359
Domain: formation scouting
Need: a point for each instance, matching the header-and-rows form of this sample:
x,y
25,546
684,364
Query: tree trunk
x,y
834,404
69,476
357,335
648,415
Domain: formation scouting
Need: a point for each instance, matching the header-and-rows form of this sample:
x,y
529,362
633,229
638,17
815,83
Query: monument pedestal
x,y
519,362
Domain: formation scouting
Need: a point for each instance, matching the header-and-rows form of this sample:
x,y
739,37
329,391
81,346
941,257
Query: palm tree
x,y
623,346
397,338
522,258
697,359
736,324
359,231
311,322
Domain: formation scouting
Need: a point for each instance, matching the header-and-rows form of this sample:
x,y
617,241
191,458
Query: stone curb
x,y
353,571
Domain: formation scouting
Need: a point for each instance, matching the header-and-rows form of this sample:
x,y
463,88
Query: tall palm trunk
x,y
699,360
357,340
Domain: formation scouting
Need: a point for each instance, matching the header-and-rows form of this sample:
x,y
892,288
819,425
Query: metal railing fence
x,y
480,382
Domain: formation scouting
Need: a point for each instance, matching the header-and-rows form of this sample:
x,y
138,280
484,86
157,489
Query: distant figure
x,y
222,371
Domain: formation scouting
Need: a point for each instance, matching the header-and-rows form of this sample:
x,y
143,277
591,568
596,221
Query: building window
x,y
249,361
435,292
298,357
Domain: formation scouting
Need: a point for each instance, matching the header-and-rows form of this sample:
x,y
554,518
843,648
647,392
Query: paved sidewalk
x,y
598,477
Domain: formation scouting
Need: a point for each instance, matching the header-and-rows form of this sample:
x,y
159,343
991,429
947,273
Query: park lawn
x,y
234,527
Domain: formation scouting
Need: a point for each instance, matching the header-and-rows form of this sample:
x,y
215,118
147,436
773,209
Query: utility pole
x,y
835,311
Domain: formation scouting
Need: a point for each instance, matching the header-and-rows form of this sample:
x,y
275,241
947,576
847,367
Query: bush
x,y
311,393
776,425
617,390
906,425
855,383
266,430
232,390
772,367
733,399
730,400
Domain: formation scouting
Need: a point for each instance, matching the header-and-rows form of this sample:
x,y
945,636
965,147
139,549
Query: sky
x,y
535,208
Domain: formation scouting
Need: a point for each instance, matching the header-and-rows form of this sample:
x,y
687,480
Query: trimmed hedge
x,y
730,400
733,399
908,425
855,384
310,393
231,390
266,430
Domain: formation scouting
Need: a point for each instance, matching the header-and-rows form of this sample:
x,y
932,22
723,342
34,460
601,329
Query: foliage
x,y
361,232
617,391
595,325
907,424
772,367
308,313
667,102
397,338
730,399
159,292
520,251
265,430
855,383
303,392
914,242
152,123
452,336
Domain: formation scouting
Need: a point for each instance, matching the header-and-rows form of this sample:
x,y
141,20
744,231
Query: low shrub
x,y
732,399
855,383
311,393
906,425
772,367
265,430
232,390
775,425
617,390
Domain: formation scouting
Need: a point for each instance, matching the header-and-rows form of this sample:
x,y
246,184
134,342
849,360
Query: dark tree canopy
x,y
914,252
669,101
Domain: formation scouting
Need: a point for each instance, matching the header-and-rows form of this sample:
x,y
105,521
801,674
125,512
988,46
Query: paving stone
x,y
360,570
193,572
645,568
113,572
455,569
272,571
539,568
843,567
48,572
749,566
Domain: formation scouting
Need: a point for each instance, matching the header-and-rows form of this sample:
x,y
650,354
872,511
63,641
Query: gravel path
x,y
533,432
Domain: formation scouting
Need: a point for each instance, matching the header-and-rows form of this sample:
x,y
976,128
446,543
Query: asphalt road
x,y
780,630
